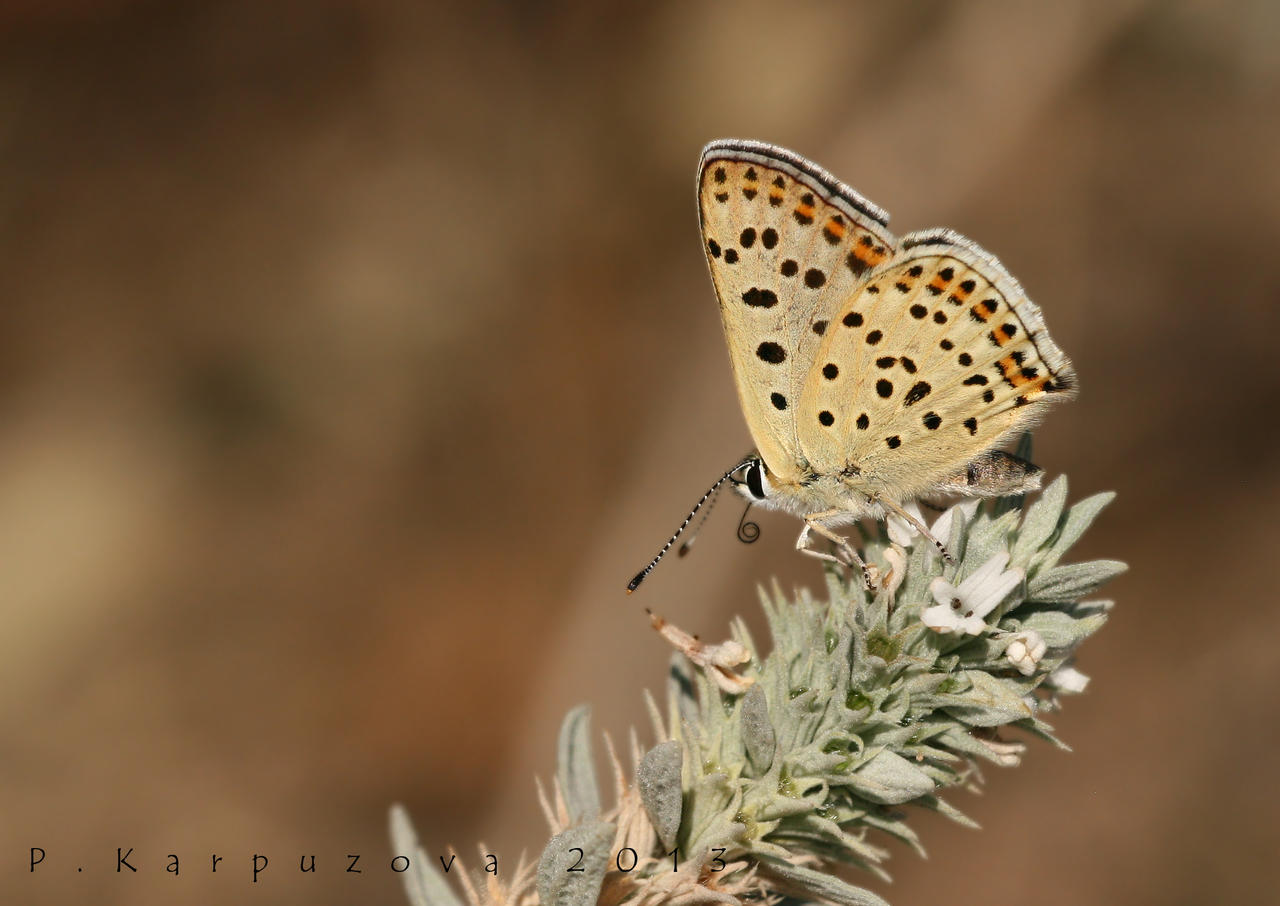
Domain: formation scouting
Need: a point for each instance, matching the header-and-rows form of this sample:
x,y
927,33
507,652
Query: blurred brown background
x,y
356,354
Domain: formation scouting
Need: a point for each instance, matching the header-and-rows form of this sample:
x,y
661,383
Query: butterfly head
x,y
752,482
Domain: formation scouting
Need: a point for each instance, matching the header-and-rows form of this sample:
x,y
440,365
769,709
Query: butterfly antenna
x,y
702,520
711,492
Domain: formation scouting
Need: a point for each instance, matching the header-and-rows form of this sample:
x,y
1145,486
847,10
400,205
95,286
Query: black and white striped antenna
x,y
711,492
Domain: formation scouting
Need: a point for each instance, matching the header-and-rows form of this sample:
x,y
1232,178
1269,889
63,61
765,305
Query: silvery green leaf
x,y
681,697
922,683
942,807
422,883
959,739
711,798
573,865
1060,630
661,791
817,831
779,807
895,827
1037,727
575,768
1040,520
990,703
983,651
986,540
1079,518
811,763
757,731
1064,584
959,538
822,885
889,779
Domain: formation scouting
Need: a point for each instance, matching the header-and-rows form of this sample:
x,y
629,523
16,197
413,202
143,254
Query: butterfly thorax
x,y
812,494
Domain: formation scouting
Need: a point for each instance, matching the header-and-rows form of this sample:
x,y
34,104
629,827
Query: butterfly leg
x,y
915,524
813,522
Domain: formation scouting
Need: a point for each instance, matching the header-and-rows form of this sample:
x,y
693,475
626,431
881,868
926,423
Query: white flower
x,y
964,608
1025,650
1067,679
903,533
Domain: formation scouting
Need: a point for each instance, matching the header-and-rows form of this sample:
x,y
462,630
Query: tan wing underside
x,y
784,257
939,356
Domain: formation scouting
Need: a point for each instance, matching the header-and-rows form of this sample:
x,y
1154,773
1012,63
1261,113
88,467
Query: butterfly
x,y
872,370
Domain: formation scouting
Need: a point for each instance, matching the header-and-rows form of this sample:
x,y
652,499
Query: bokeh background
x,y
354,355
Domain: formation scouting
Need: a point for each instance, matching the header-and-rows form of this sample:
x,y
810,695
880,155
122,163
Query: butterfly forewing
x,y
935,359
788,245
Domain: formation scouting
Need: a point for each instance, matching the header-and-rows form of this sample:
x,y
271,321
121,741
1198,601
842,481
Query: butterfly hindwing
x,y
936,358
788,245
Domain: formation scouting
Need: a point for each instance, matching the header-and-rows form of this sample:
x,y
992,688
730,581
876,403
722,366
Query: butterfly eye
x,y
756,482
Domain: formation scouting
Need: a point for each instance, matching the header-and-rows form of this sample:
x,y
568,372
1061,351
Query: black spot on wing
x,y
760,298
771,352
919,390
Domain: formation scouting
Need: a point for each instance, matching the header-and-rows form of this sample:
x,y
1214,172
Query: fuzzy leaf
x,y
889,779
988,538
659,780
1079,518
1060,630
821,885
576,770
1064,584
757,732
422,883
784,807
943,807
990,703
1040,521
680,691
573,865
